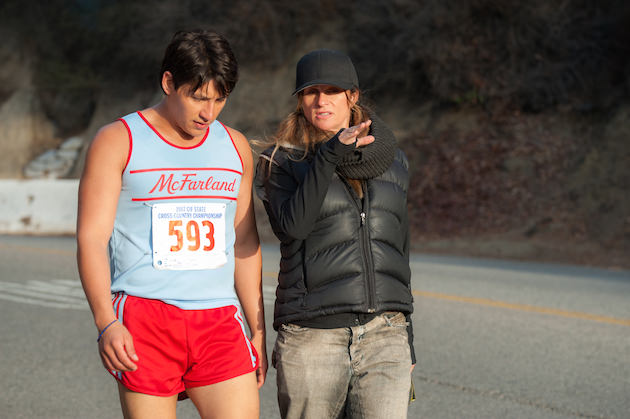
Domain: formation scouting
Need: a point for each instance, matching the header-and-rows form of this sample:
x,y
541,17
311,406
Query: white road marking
x,y
57,293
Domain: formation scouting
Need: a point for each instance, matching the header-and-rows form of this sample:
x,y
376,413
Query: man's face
x,y
194,111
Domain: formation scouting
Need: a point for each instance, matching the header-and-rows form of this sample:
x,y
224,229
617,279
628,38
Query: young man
x,y
168,251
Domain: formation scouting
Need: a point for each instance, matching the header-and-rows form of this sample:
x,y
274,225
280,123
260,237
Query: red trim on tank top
x,y
130,143
161,198
166,169
234,144
168,142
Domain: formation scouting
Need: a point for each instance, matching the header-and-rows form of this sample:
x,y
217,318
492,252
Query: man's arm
x,y
248,262
98,198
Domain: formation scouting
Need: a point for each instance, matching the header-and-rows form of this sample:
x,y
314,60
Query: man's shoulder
x,y
113,131
233,132
239,139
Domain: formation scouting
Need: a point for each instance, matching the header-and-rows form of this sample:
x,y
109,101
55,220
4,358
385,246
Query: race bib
x,y
188,236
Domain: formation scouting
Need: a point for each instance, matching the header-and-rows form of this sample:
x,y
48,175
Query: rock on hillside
x,y
25,131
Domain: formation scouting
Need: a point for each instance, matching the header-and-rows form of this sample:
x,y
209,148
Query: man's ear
x,y
167,83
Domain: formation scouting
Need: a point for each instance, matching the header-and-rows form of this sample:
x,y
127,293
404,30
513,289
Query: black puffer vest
x,y
356,257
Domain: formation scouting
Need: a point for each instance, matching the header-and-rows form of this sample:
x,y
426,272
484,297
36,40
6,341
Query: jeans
x,y
362,371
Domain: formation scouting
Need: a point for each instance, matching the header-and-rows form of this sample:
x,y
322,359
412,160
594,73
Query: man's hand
x,y
117,350
258,341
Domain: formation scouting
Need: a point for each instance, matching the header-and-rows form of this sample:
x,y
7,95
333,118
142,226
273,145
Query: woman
x,y
334,185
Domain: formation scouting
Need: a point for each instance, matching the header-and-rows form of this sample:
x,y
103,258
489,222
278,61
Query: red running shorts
x,y
179,349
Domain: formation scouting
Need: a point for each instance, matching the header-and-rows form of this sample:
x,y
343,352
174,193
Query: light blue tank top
x,y
177,203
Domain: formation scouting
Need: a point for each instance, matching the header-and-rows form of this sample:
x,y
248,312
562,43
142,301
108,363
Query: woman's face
x,y
328,107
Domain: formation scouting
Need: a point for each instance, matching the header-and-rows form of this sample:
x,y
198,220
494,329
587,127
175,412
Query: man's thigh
x,y
144,406
234,398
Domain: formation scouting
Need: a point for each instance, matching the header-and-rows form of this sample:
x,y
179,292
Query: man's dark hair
x,y
198,57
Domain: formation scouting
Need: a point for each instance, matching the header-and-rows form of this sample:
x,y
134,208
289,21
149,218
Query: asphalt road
x,y
494,339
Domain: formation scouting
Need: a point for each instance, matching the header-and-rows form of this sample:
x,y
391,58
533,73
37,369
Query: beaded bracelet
x,y
100,335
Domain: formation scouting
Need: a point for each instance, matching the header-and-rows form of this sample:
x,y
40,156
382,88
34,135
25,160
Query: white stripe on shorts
x,y
239,319
118,302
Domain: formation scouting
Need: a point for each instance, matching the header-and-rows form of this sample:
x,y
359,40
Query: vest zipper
x,y
364,243
367,259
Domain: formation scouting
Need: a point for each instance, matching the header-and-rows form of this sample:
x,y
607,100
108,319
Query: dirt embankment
x,y
514,115
551,187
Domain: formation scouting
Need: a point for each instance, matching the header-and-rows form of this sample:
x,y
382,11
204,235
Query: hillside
x,y
515,117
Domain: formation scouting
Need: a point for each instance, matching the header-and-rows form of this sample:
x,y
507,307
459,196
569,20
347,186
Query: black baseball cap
x,y
325,66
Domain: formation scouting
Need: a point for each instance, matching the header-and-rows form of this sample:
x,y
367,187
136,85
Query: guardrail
x,y
41,206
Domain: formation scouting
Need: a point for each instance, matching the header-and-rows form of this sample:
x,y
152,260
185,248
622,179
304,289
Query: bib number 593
x,y
193,235
189,235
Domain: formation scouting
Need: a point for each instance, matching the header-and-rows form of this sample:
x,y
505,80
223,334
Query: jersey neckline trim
x,y
203,140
